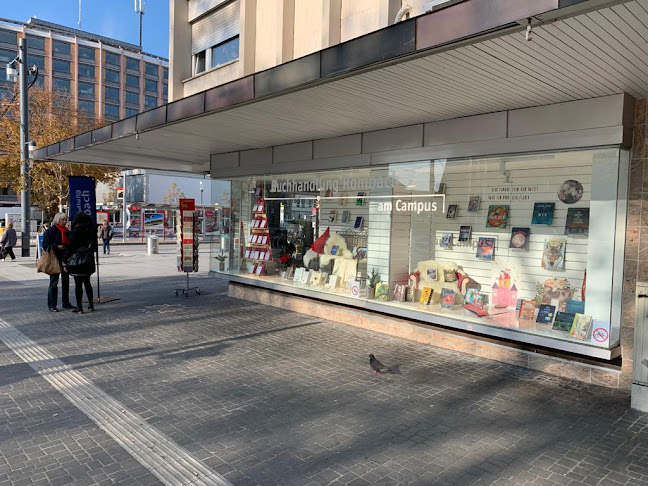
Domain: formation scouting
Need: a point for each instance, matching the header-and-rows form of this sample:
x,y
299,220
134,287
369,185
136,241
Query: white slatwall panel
x,y
479,179
340,206
217,27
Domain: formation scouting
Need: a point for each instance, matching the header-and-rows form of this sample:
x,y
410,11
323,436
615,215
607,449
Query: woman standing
x,y
82,245
56,239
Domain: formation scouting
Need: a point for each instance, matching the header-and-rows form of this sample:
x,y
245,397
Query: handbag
x,y
79,261
48,263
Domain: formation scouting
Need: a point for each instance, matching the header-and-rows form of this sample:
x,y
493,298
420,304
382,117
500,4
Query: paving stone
x,y
265,396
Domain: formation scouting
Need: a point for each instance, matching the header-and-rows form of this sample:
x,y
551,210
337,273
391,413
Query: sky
x,y
111,18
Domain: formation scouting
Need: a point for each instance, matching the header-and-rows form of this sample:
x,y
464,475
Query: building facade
x,y
473,168
106,78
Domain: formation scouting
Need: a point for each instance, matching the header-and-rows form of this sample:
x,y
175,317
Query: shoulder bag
x,y
48,263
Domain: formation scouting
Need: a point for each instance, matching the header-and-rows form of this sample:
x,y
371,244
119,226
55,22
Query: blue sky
x,y
112,18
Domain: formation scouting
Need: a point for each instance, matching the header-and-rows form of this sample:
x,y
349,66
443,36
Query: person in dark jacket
x,y
56,239
83,238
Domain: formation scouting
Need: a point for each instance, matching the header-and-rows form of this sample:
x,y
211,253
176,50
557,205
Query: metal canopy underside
x,y
590,55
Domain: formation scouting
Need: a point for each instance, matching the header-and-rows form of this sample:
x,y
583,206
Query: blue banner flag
x,y
82,196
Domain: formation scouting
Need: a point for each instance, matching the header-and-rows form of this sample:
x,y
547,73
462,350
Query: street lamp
x,y
22,74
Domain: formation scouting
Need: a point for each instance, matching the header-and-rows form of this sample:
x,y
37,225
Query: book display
x,y
258,248
499,242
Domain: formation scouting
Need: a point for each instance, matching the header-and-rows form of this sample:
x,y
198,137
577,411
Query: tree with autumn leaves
x,y
52,118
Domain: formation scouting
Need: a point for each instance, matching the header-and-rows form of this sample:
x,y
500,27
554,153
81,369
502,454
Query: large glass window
x,y
151,70
86,71
132,98
165,73
150,86
225,52
112,59
132,81
132,64
7,37
86,54
200,62
35,43
86,90
111,111
61,84
61,67
38,61
111,93
112,76
150,102
524,241
7,56
88,107
131,112
61,49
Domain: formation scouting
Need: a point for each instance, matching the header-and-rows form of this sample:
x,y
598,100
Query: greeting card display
x,y
452,211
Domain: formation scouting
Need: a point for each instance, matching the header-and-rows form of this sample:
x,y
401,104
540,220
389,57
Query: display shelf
x,y
258,248
457,318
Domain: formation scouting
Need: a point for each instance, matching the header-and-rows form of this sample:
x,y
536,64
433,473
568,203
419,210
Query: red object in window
x,y
318,245
284,259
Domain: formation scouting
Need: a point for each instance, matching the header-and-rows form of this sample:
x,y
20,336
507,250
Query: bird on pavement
x,y
377,366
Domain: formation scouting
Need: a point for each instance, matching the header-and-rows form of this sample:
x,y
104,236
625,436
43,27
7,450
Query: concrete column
x,y
179,47
247,37
332,16
287,31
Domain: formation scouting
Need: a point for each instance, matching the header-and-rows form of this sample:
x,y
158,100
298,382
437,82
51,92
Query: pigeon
x,y
377,366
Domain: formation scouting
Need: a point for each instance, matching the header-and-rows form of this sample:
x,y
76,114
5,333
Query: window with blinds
x,y
214,37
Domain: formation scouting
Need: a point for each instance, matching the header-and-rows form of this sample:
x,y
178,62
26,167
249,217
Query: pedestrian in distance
x,y
56,239
45,227
106,234
78,259
7,242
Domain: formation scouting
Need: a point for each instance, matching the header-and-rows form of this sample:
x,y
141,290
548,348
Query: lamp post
x,y
26,148
23,73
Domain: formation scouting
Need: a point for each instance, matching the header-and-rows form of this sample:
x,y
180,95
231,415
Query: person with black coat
x,y
56,239
83,240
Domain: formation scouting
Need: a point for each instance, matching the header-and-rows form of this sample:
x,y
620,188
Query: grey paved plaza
x,y
258,395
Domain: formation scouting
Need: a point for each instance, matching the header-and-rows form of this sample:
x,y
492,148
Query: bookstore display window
x,y
504,242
